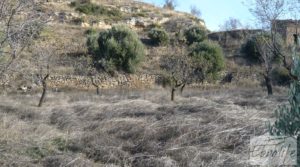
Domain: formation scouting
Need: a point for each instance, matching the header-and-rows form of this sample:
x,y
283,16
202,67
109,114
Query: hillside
x,y
65,32
123,83
67,26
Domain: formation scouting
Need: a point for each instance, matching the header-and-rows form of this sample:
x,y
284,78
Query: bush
x,y
158,36
92,41
251,52
281,76
195,34
120,48
89,8
209,57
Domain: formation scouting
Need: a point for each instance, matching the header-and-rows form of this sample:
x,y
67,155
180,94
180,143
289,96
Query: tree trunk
x,y
173,94
269,85
95,85
44,83
181,89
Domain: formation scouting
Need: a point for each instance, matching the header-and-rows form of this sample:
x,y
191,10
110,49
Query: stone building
x,y
287,29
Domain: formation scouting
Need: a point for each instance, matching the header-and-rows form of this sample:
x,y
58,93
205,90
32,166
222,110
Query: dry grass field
x,y
138,128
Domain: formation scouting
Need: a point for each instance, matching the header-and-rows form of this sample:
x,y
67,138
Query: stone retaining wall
x,y
104,82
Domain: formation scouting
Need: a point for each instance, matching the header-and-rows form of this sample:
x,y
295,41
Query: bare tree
x,y
179,70
266,58
267,12
93,72
170,4
231,24
43,56
20,22
195,11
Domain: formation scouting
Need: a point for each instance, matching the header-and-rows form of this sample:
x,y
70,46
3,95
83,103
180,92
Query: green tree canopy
x,y
121,48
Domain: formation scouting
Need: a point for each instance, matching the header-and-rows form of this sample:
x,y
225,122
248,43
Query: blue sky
x,y
215,12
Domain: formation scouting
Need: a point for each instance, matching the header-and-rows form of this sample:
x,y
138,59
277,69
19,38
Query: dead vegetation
x,y
133,128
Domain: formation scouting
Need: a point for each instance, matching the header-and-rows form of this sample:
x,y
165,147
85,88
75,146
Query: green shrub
x,y
92,41
158,36
195,34
93,9
121,48
281,76
250,51
209,57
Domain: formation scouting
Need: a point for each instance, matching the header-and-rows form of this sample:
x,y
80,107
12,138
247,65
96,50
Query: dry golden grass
x,y
136,128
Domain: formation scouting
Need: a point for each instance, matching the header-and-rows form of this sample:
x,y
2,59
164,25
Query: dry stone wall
x,y
104,82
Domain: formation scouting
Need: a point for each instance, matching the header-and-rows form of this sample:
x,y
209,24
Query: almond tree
x,y
20,22
267,12
177,72
266,59
43,58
